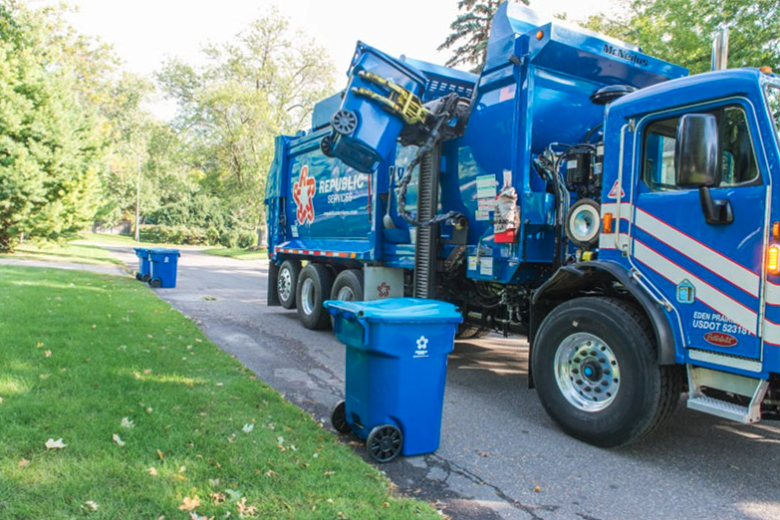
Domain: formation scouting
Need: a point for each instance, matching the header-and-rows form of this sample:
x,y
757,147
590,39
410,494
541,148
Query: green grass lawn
x,y
68,252
118,240
238,253
83,353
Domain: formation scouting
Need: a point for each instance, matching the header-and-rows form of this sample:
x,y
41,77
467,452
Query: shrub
x,y
246,239
212,236
229,238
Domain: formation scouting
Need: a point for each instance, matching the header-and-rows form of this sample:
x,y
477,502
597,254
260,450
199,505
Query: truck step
x,y
723,409
700,378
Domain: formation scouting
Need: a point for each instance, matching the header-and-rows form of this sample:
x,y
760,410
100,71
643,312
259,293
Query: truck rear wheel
x,y
314,285
287,283
597,375
348,286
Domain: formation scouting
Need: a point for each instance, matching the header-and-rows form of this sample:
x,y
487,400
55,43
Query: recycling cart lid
x,y
398,310
164,251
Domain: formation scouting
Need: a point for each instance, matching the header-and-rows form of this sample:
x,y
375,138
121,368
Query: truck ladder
x,y
426,244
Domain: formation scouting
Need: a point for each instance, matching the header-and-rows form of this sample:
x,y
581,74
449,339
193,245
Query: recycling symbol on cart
x,y
422,347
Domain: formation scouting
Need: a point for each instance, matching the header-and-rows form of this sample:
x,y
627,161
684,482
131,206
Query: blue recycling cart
x,y
164,263
144,265
396,368
365,133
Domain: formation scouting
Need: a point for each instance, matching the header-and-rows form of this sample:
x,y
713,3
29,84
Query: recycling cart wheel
x,y
338,418
384,443
597,375
155,283
145,278
314,285
287,281
138,277
344,122
326,146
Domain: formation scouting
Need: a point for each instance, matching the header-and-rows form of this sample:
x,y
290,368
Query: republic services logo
x,y
303,194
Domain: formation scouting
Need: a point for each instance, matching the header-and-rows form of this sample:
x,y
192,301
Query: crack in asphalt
x,y
450,467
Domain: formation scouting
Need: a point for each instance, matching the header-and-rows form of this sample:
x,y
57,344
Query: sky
x,y
145,32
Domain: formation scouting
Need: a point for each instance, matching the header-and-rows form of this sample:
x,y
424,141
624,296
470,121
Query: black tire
x,y
155,283
146,277
338,418
287,283
138,277
316,280
384,443
349,281
647,393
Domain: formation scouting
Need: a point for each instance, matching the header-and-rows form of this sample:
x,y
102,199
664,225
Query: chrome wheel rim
x,y
285,284
587,372
345,294
307,296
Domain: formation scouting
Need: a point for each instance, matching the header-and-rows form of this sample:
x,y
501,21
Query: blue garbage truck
x,y
610,206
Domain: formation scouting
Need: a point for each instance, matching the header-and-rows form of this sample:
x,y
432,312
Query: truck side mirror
x,y
696,151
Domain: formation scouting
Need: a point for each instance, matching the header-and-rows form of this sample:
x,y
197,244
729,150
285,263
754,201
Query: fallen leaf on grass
x,y
51,444
218,498
196,516
118,440
39,345
188,504
245,510
91,505
271,473
234,495
160,454
213,482
248,428
152,471
127,423
147,371
47,353
328,473
23,463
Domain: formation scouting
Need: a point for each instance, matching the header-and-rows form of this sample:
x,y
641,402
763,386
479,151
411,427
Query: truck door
x,y
711,273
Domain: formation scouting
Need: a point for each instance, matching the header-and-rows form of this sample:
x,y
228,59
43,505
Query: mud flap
x,y
272,296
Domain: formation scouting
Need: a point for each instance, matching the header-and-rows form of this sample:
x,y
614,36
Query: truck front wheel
x,y
314,285
597,375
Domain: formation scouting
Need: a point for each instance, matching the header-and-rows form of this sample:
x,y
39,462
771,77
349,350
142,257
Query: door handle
x,y
717,212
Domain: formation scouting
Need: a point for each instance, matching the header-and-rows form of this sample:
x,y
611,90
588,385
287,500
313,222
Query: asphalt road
x,y
497,444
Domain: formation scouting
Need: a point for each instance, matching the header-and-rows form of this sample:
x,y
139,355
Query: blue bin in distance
x,y
396,367
144,265
164,262
376,131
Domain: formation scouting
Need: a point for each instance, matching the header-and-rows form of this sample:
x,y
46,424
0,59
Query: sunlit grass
x,y
238,253
66,252
80,352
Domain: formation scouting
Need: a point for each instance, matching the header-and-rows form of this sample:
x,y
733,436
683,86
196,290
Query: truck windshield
x,y
773,102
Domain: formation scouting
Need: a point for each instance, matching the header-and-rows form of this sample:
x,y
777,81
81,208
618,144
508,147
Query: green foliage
x,y
229,239
470,32
162,234
52,142
681,31
246,239
263,83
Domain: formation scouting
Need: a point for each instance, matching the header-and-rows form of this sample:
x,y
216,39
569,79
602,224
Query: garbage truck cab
x,y
688,241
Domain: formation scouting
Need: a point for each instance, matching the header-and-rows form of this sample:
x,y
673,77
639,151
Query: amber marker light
x,y
539,35
766,70
776,230
606,223
773,259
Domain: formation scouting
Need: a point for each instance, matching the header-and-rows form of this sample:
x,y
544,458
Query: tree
x,y
262,83
681,31
470,33
51,141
